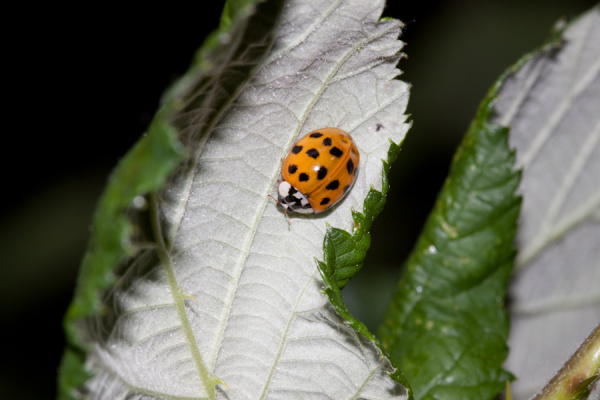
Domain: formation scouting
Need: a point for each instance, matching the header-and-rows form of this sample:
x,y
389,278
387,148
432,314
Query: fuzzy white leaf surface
x,y
257,320
552,104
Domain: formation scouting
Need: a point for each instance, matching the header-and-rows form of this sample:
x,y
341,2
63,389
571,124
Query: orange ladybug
x,y
318,171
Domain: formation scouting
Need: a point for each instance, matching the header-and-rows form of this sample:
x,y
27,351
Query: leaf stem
x,y
578,376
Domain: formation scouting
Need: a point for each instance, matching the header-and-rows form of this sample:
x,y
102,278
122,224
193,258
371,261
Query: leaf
x,y
344,254
446,327
551,101
225,298
144,169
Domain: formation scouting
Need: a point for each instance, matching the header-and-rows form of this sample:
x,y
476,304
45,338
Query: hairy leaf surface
x,y
226,301
552,103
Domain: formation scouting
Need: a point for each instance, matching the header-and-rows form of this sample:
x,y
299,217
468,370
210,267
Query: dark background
x,y
87,90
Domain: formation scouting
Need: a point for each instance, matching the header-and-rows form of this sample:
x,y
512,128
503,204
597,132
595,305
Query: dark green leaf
x,y
446,327
344,254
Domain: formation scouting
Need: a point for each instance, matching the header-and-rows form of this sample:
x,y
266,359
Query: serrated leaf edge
x,y
363,222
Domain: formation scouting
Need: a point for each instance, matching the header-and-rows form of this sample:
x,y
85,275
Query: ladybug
x,y
318,171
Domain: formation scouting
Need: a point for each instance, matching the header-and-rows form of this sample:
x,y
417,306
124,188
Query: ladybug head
x,y
291,200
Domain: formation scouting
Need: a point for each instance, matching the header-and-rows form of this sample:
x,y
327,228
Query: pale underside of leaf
x,y
233,293
552,105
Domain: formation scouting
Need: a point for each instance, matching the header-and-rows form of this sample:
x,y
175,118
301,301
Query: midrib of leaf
x,y
301,38
207,380
261,207
547,235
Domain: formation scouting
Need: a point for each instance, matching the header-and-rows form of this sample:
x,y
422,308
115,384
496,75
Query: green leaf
x,y
446,327
344,254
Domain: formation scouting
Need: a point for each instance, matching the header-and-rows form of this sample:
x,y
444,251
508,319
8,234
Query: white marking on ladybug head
x,y
290,199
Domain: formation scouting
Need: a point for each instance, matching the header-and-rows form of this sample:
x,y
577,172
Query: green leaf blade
x,y
446,327
344,254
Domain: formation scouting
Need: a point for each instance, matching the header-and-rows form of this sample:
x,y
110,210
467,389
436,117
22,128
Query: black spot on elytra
x,y
316,135
292,168
296,149
325,200
327,141
333,185
314,153
336,152
350,166
303,177
321,173
346,188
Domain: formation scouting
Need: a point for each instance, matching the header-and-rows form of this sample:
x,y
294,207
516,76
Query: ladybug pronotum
x,y
318,171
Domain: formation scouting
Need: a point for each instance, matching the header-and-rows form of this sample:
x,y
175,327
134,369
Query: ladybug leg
x,y
284,210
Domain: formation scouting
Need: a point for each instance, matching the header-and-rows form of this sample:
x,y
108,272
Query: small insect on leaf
x,y
318,171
